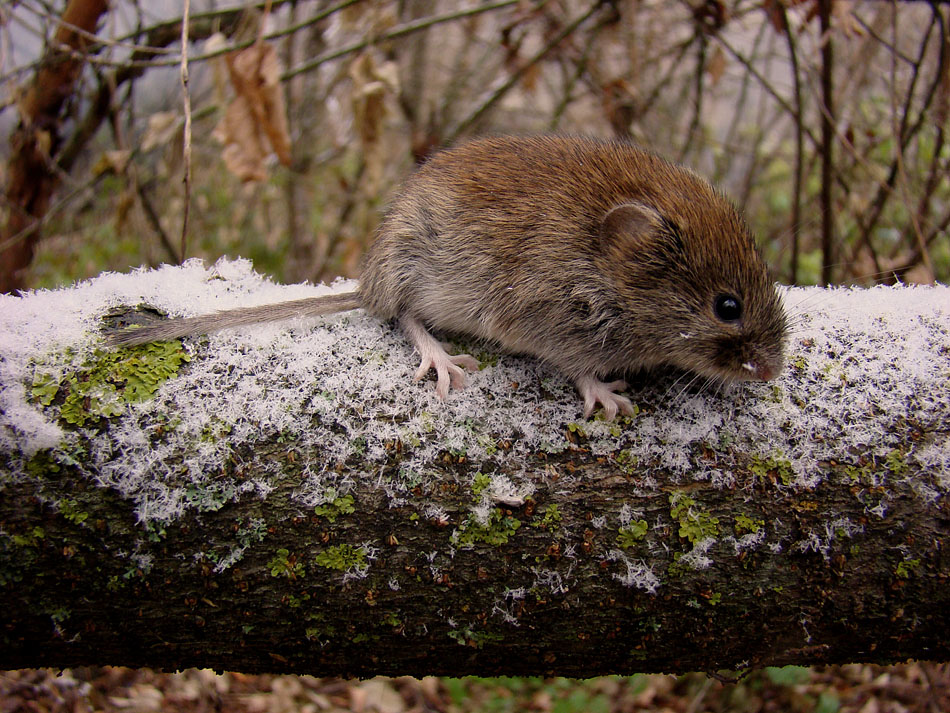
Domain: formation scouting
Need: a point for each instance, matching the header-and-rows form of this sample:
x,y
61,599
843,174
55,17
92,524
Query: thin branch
x,y
516,76
904,135
186,150
796,213
398,31
827,142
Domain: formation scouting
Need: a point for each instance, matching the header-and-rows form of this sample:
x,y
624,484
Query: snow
x,y
340,387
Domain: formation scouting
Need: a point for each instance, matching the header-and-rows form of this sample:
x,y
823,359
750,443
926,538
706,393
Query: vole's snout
x,y
763,368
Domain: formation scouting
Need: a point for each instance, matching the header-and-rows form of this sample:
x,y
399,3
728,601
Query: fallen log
x,y
284,498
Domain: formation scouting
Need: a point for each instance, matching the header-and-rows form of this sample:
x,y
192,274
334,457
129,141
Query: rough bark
x,y
259,513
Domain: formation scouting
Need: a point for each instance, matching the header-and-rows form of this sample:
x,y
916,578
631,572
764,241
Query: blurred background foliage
x,y
797,109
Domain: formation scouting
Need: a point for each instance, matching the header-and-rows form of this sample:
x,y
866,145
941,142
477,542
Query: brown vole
x,y
595,256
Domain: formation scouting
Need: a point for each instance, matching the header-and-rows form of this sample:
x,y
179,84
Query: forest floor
x,y
906,688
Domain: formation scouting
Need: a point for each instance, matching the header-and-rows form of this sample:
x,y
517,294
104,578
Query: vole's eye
x,y
728,308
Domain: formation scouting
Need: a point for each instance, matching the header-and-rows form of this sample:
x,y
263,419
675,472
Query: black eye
x,y
728,308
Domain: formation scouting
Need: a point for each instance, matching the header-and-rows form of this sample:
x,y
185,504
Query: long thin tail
x,y
203,324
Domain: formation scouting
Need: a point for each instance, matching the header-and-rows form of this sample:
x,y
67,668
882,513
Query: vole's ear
x,y
630,227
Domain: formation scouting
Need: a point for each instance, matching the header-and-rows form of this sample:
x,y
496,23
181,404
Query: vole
x,y
594,255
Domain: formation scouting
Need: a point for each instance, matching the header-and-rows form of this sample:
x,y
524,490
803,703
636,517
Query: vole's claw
x,y
447,367
594,391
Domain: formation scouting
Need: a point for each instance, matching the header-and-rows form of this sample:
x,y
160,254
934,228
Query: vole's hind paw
x,y
447,367
449,370
594,391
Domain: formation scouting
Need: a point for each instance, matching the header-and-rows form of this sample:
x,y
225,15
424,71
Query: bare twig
x,y
516,76
186,150
827,142
795,217
398,31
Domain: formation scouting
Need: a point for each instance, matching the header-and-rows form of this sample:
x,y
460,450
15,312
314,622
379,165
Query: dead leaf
x,y
376,696
716,66
255,121
372,85
111,162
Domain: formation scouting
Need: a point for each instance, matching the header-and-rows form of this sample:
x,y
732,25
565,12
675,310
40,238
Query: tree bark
x,y
282,503
32,176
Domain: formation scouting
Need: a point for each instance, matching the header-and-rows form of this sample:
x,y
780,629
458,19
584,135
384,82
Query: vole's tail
x,y
276,312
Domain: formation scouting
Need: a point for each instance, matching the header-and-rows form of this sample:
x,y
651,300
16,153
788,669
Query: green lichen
x,y
473,638
336,506
31,538
295,602
907,568
771,468
253,532
285,564
102,386
495,532
895,463
677,568
549,519
627,461
210,497
342,557
70,510
695,524
632,533
480,482
747,525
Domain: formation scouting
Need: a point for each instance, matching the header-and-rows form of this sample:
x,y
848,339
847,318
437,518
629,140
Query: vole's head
x,y
692,270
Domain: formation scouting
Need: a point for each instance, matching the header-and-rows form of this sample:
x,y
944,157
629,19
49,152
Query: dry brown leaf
x,y
111,162
716,66
255,121
372,84
377,695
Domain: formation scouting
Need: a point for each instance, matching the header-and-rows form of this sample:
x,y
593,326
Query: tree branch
x,y
288,501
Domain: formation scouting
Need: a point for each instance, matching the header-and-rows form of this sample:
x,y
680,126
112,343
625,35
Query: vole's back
x,y
499,238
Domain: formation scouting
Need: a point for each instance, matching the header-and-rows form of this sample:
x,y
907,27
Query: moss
x,y
549,519
895,463
495,532
295,602
253,532
102,386
772,468
746,525
677,568
480,482
70,510
341,557
627,461
283,563
475,639
695,525
907,568
631,534
29,539
336,506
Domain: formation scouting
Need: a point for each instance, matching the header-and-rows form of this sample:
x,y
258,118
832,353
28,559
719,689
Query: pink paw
x,y
448,368
594,391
